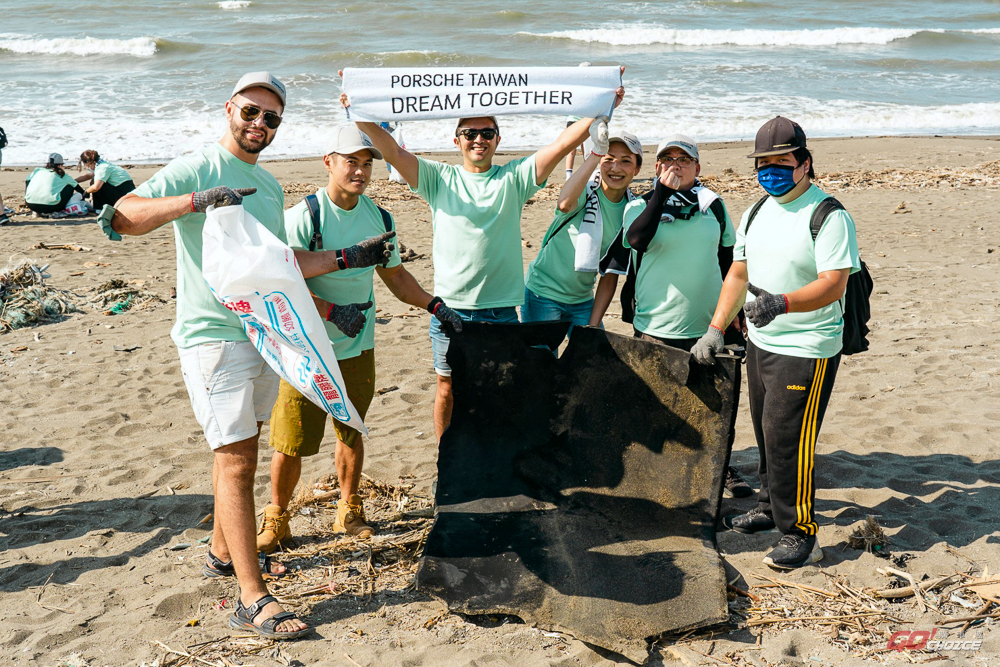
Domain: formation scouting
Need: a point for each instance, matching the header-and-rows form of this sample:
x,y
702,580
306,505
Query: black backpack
x,y
3,139
316,242
856,304
628,289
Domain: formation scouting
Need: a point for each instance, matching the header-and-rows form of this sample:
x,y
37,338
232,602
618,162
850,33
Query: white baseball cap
x,y
260,80
349,139
630,140
681,141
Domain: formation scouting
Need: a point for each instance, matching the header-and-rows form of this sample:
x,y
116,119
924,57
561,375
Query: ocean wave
x,y
406,58
140,47
234,4
645,35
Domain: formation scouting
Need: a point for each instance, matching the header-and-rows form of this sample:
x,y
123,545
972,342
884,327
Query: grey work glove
x,y
350,319
708,346
449,319
367,253
599,136
765,306
219,196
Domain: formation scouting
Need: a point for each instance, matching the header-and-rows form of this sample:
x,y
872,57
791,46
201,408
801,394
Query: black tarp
x,y
581,493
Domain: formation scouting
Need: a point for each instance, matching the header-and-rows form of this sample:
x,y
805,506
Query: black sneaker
x,y
736,486
754,521
794,551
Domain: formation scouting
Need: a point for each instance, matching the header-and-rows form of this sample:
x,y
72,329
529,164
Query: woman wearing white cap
x,y
50,189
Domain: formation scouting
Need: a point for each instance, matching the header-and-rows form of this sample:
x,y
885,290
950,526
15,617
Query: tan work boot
x,y
273,530
351,518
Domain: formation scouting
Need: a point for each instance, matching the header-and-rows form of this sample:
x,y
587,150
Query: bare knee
x,y
237,461
444,388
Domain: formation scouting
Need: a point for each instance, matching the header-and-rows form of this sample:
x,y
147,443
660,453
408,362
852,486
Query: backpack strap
x,y
754,210
312,204
386,218
719,209
821,213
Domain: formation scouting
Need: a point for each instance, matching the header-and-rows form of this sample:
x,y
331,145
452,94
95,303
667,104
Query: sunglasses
x,y
488,134
249,113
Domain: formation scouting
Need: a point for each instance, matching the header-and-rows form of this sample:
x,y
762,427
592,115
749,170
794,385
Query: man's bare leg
x,y
349,461
285,473
234,518
444,401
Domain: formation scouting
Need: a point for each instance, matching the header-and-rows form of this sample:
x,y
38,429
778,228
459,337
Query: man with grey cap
x,y
680,245
232,389
797,274
338,215
559,283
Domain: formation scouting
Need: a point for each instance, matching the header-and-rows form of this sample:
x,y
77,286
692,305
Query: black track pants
x,y
788,398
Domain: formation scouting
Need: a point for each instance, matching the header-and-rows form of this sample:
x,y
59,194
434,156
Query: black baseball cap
x,y
777,137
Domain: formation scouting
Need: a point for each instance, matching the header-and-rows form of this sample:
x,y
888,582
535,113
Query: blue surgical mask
x,y
776,179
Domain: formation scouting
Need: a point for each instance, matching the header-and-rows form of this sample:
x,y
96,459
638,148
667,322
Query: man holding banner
x,y
477,205
232,388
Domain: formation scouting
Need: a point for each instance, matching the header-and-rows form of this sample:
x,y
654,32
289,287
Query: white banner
x,y
422,93
256,276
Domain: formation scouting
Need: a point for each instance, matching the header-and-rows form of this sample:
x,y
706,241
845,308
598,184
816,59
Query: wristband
x,y
329,311
593,152
341,260
786,302
435,303
193,209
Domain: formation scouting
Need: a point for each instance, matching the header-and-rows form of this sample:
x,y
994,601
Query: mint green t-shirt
x,y
552,274
44,186
111,174
341,229
477,231
200,316
781,257
679,280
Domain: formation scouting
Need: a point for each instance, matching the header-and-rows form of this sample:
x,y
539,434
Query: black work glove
x,y
350,319
367,253
765,306
220,196
708,346
449,319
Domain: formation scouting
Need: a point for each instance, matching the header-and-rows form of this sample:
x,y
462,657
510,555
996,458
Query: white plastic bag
x,y
256,276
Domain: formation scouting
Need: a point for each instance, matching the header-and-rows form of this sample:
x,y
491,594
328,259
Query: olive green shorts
x,y
298,424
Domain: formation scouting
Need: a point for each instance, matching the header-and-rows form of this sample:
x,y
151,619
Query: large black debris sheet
x,y
581,493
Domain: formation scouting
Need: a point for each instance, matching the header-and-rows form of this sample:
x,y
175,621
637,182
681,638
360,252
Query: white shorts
x,y
231,389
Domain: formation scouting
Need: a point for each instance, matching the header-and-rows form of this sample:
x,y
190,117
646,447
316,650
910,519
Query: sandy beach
x,y
103,467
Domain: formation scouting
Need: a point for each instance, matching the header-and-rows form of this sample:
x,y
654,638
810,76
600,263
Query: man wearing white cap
x,y
681,243
232,389
476,208
338,215
559,283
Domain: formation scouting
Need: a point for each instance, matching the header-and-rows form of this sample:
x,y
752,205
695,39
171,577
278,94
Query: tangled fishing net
x,y
26,300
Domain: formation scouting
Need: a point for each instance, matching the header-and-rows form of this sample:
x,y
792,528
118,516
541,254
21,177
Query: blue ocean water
x,y
146,80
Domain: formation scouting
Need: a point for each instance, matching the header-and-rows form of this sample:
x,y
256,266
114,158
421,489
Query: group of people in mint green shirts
x,y
51,191
688,273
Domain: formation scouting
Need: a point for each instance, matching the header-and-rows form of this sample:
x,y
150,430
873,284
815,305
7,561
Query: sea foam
x,y
645,35
234,4
141,47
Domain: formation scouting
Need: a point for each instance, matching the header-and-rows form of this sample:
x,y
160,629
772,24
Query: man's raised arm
x,y
402,160
135,215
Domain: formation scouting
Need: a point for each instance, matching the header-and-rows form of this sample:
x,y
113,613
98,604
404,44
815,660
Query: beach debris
x,y
19,348
902,208
180,546
60,246
870,537
117,296
92,265
386,390
192,623
26,300
408,254
127,348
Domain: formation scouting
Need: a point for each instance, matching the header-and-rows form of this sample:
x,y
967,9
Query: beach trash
x,y
581,493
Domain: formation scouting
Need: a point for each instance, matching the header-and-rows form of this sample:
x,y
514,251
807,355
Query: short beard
x,y
239,135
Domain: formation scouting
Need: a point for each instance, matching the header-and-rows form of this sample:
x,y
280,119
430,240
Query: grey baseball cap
x,y
630,140
349,139
55,158
681,141
260,80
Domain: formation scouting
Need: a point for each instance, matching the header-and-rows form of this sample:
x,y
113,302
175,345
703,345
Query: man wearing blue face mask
x,y
795,326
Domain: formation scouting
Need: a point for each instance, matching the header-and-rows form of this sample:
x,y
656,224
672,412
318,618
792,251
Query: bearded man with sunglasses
x,y
232,388
476,209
